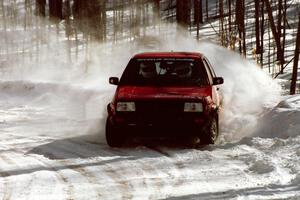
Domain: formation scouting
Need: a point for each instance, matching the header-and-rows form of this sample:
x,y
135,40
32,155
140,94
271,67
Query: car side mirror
x,y
218,81
114,80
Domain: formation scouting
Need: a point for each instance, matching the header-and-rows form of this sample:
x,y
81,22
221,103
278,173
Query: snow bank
x,y
282,121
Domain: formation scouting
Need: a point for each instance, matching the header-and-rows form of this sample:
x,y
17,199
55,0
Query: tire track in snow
x,y
14,150
69,188
119,180
6,189
42,165
5,176
154,184
86,174
177,167
167,156
67,151
152,177
123,186
65,179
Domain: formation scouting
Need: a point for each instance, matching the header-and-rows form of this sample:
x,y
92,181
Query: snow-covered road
x,y
40,167
53,98
51,148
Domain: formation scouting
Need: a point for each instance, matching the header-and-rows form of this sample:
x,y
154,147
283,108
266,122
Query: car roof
x,y
169,55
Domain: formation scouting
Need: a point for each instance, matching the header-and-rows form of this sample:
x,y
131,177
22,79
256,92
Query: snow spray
x,y
79,90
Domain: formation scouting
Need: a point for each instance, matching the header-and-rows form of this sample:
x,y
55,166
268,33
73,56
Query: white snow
x,y
282,121
52,120
53,145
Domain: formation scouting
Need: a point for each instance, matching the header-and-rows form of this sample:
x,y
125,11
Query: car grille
x,y
157,110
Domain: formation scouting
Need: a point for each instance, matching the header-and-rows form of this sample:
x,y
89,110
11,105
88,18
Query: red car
x,y
166,95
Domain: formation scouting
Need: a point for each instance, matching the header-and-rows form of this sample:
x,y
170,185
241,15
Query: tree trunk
x,y
280,54
183,10
157,4
138,17
4,27
275,33
40,7
201,12
197,15
230,32
67,9
284,29
221,13
90,16
229,17
257,33
157,7
262,32
296,61
104,18
240,21
67,15
244,30
206,8
78,8
55,9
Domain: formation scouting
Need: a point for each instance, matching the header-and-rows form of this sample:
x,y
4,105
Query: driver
x,y
184,71
148,69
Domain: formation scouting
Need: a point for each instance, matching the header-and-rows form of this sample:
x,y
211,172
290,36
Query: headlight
x,y
125,106
193,107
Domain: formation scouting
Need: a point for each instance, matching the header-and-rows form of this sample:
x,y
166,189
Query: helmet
x,y
184,70
148,70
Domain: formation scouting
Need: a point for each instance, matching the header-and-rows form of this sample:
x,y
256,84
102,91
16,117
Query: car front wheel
x,y
113,137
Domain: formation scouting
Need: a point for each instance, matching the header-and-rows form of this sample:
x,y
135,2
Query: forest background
x,y
267,31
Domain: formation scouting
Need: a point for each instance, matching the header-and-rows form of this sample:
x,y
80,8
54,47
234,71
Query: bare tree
x,y
67,15
55,9
198,14
257,33
275,32
262,32
40,7
157,6
221,13
90,17
229,18
4,18
183,12
240,21
284,29
280,54
206,8
230,26
296,61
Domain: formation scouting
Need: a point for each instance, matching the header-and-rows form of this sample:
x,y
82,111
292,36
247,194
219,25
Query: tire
x,y
211,133
113,138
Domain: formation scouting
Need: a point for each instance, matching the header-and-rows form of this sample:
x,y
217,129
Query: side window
x,y
211,69
208,69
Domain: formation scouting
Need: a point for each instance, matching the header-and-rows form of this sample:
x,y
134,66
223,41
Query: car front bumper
x,y
160,126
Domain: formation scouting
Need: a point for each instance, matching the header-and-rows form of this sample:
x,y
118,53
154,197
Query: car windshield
x,y
164,71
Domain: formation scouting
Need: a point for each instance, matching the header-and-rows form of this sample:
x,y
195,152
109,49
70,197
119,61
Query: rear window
x,y
165,72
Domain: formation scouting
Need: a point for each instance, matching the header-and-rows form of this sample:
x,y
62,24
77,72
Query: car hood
x,y
144,93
